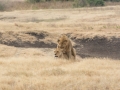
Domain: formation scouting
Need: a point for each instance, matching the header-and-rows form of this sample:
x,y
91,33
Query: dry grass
x,y
46,73
89,21
11,5
6,51
36,69
18,5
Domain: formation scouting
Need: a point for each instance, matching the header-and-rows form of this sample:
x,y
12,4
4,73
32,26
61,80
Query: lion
x,y
65,44
59,53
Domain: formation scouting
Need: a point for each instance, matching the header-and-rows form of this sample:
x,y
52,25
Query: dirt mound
x,y
27,39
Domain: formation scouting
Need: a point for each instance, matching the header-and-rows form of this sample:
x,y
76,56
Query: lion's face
x,y
58,52
63,42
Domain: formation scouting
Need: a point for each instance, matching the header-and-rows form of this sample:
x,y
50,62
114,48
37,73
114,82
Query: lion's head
x,y
58,52
63,42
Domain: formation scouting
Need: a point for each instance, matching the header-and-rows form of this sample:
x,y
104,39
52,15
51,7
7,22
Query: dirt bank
x,y
34,39
97,46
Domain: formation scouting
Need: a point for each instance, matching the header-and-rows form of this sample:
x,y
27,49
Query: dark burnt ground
x,y
99,47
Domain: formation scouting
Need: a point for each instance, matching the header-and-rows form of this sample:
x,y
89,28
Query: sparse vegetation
x,y
2,7
80,3
33,1
96,2
113,0
84,3
53,4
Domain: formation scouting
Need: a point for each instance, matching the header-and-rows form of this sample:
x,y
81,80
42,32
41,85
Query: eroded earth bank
x,y
86,46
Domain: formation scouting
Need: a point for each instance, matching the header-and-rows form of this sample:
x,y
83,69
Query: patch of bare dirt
x,y
98,47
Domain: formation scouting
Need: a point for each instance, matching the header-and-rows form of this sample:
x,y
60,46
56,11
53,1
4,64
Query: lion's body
x,y
65,44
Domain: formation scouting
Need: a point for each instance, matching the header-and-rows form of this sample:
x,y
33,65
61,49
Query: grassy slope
x,y
86,21
31,69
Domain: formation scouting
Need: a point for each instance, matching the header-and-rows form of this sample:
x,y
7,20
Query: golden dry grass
x,y
47,73
86,21
37,69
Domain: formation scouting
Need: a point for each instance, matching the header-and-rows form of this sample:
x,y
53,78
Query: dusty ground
x,y
28,39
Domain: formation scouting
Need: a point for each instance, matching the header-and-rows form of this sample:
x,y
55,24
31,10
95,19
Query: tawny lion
x,y
65,45
58,53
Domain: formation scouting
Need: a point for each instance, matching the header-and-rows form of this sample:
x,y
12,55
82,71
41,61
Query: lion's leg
x,y
73,53
65,56
69,54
